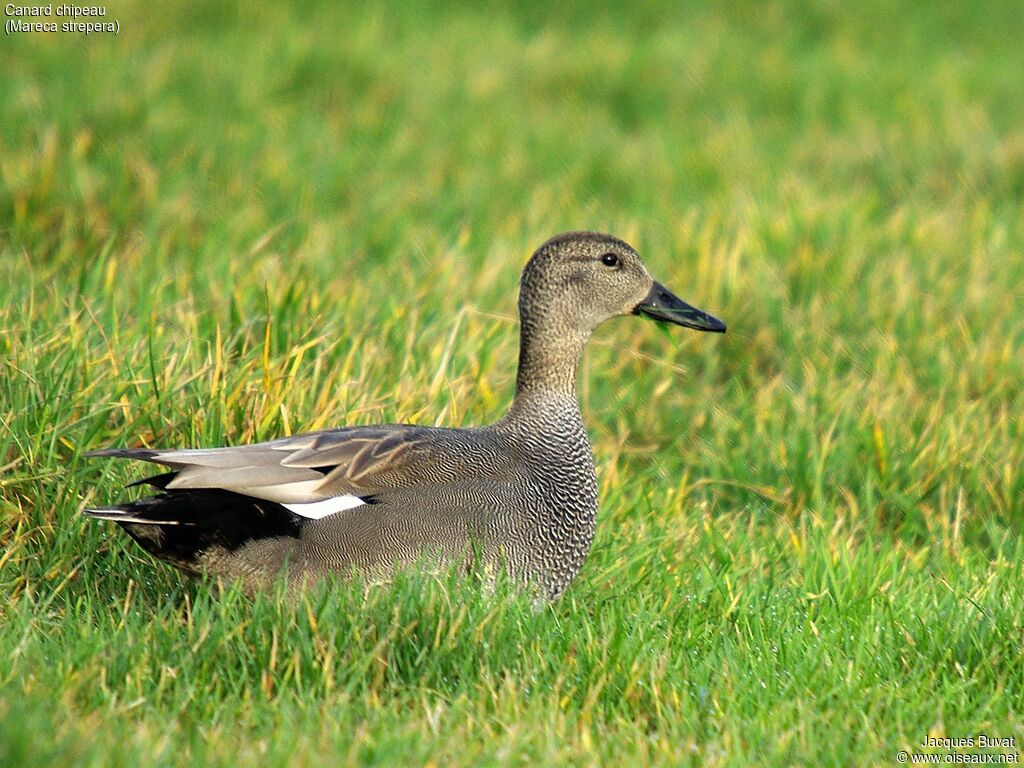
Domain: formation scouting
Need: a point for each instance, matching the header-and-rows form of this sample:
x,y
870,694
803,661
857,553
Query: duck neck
x,y
547,362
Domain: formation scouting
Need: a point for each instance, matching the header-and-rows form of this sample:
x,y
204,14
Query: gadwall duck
x,y
520,493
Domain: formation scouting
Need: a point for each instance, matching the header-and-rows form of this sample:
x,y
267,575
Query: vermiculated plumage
x,y
521,493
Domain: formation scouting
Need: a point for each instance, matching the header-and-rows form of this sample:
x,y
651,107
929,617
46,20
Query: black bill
x,y
662,304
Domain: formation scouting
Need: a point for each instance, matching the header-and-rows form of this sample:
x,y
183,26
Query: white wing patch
x,y
315,510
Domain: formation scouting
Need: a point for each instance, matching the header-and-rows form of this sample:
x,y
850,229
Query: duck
x,y
520,493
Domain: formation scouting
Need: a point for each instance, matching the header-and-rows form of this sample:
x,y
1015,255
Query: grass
x,y
234,222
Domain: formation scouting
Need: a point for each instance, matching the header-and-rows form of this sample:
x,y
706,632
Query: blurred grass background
x,y
234,221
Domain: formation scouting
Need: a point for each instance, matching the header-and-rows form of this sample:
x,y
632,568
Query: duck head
x,y
577,280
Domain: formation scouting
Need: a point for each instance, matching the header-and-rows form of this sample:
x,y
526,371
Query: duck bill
x,y
663,305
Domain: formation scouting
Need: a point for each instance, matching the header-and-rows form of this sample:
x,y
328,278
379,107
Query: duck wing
x,y
318,473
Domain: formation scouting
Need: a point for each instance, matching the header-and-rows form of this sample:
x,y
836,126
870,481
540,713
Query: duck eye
x,y
610,260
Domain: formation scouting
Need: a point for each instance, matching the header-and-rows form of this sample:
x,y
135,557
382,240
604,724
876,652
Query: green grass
x,y
233,222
